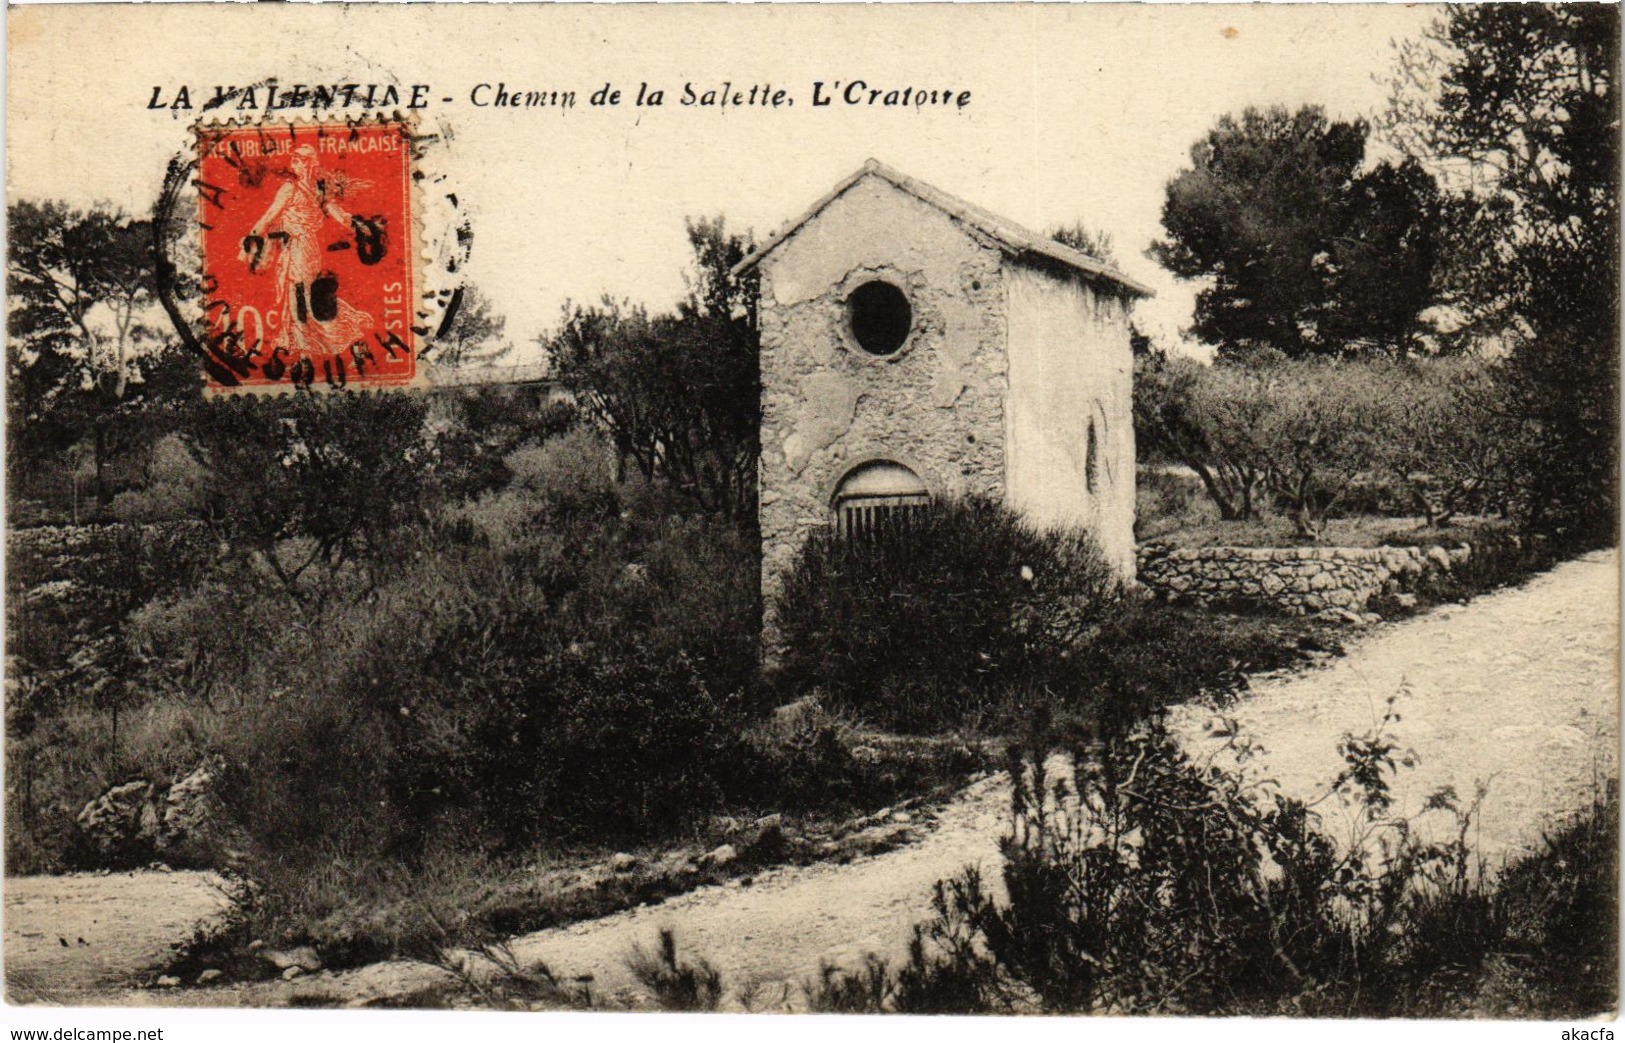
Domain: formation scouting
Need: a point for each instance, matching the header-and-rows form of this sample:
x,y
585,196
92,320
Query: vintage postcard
x,y
1098,509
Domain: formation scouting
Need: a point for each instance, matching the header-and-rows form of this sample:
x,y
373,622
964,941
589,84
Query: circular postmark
x,y
292,254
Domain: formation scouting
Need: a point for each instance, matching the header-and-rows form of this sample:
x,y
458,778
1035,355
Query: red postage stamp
x,y
307,237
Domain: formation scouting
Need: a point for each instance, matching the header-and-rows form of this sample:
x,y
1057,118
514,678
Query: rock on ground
x,y
137,821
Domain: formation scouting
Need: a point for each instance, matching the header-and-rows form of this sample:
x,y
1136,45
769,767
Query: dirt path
x,y
774,930
777,930
1519,689
72,939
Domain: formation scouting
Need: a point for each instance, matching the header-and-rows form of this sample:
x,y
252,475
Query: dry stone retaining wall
x,y
1299,580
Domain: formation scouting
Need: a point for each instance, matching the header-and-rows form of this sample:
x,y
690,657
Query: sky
x,y
1075,113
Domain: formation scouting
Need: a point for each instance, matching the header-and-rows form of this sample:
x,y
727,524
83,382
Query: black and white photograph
x,y
804,509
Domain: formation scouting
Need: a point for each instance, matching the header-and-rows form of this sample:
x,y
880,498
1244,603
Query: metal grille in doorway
x,y
868,517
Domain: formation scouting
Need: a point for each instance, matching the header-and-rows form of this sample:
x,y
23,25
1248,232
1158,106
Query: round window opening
x,y
880,317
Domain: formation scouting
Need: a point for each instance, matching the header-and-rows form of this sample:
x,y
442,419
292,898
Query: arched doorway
x,y
880,496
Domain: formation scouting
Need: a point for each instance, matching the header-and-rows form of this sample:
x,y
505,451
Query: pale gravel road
x,y
1518,690
780,928
76,936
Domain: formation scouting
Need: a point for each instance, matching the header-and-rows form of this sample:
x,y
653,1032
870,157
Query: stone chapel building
x,y
915,346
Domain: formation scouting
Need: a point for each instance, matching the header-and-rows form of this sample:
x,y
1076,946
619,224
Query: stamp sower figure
x,y
309,318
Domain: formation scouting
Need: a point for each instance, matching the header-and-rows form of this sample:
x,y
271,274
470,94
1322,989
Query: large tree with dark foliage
x,y
83,364
1379,268
679,394
1304,253
1517,108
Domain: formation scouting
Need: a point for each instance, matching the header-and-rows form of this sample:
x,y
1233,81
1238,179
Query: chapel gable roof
x,y
1016,241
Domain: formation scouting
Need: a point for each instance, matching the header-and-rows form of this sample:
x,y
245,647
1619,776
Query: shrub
x,y
618,565
1324,428
1500,555
356,906
1208,418
679,394
1140,881
600,746
476,429
932,627
562,486
805,758
677,985
311,487
538,623
671,586
1147,655
439,702
801,759
570,475
835,991
911,636
397,686
431,726
1448,442
1562,391
482,695
1560,911
172,489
